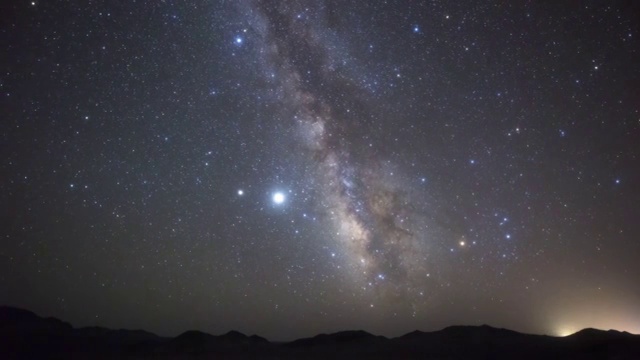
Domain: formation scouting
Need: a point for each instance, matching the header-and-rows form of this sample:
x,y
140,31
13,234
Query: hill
x,y
25,335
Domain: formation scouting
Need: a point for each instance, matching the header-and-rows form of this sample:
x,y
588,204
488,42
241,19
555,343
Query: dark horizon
x,y
187,331
24,335
290,168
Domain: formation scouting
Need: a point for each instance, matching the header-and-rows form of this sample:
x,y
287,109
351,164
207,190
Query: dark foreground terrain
x,y
24,335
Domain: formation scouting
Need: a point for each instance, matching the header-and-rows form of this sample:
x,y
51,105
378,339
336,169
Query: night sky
x,y
288,168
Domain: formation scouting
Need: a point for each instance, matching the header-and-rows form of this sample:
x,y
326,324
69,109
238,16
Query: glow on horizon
x,y
563,331
611,322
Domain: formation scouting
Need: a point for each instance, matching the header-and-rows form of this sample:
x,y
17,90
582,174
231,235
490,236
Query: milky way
x,y
372,217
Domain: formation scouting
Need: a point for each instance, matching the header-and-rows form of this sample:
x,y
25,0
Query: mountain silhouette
x,y
199,342
339,338
25,335
595,334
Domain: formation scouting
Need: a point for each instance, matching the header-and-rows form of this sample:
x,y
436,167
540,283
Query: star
x,y
278,198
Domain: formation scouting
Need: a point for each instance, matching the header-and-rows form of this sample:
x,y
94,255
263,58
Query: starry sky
x,y
294,167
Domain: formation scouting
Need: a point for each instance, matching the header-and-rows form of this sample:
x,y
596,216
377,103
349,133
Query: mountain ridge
x,y
23,334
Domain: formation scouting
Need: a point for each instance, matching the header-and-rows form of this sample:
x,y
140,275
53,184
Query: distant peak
x,y
414,333
14,311
483,327
354,333
190,334
235,335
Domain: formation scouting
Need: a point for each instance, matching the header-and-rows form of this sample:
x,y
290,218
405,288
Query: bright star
x,y
240,192
278,198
